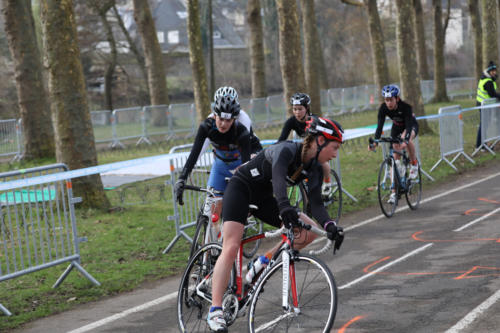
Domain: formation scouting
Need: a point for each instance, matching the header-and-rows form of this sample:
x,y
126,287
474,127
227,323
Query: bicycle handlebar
x,y
387,139
210,191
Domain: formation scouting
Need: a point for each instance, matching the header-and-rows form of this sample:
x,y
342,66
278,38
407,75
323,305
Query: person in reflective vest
x,y
486,88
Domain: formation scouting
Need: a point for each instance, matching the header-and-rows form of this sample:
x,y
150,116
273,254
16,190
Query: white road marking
x,y
168,297
471,316
478,220
125,313
406,256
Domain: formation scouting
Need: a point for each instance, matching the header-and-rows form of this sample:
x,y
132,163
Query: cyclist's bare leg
x,y
233,232
217,209
303,238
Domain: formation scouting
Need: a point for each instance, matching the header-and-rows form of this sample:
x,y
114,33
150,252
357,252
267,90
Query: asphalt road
x,y
436,269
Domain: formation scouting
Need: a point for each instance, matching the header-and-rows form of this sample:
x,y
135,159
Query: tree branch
x,y
447,18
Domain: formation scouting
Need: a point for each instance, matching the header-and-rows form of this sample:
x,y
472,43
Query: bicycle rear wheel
x,y
385,187
316,296
254,227
195,291
414,190
334,200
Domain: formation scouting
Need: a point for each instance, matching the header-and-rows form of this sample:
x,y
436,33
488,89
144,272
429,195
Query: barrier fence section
x,y
11,138
490,125
185,215
451,138
38,226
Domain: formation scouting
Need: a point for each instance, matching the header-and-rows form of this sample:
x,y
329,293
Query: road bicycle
x,y
295,292
207,232
391,179
298,197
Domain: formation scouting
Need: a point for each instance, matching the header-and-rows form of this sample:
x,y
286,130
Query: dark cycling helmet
x,y
301,99
227,107
330,129
226,90
390,90
491,66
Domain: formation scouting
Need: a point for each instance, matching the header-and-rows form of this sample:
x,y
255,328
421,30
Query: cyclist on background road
x,y
301,105
404,125
486,88
284,163
231,142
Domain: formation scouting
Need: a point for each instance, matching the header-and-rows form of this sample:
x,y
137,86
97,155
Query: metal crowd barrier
x,y
185,215
451,138
38,226
11,138
490,125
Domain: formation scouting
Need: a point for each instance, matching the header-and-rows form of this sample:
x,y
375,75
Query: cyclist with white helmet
x,y
284,163
301,107
404,125
243,118
231,142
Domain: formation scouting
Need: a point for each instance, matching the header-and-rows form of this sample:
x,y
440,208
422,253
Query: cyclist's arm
x,y
287,128
244,144
201,135
280,163
380,122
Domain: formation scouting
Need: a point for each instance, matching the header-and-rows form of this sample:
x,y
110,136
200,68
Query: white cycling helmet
x,y
226,91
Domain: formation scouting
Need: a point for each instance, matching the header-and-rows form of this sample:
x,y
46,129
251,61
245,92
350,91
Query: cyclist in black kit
x,y
231,142
301,104
284,163
404,125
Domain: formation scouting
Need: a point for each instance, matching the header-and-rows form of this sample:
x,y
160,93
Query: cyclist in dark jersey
x,y
284,163
404,125
301,104
231,142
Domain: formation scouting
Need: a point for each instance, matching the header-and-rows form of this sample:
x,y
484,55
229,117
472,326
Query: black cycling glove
x,y
179,190
289,216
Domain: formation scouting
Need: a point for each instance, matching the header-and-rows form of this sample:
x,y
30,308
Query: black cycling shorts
x,y
396,131
237,198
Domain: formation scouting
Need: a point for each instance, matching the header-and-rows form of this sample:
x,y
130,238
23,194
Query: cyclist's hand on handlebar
x,y
290,217
334,233
339,238
179,190
372,144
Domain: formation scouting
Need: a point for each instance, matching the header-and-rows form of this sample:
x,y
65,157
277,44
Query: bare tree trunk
x,y
257,60
311,59
73,128
408,76
490,34
323,73
201,98
211,65
478,39
292,71
379,57
33,104
138,56
423,67
101,8
439,41
157,79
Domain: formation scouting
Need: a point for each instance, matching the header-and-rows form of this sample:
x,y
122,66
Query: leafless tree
x,y
477,31
490,33
257,59
423,67
439,43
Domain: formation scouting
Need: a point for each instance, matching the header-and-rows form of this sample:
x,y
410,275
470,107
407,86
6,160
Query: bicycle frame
x,y
401,184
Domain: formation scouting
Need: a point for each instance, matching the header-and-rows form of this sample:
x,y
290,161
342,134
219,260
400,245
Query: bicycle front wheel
x,y
313,285
334,200
414,190
385,186
199,234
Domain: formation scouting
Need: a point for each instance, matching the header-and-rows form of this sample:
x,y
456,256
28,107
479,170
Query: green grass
x,y
124,248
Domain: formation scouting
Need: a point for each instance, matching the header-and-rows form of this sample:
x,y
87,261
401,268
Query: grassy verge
x,y
124,248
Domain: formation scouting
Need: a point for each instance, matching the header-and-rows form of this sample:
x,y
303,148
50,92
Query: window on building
x,y
173,37
161,37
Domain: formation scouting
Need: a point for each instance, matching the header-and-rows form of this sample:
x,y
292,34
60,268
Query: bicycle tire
x,y
334,200
384,187
254,227
192,309
199,234
414,190
266,308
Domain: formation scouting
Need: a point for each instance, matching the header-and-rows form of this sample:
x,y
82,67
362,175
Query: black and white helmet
x,y
226,90
301,99
227,107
